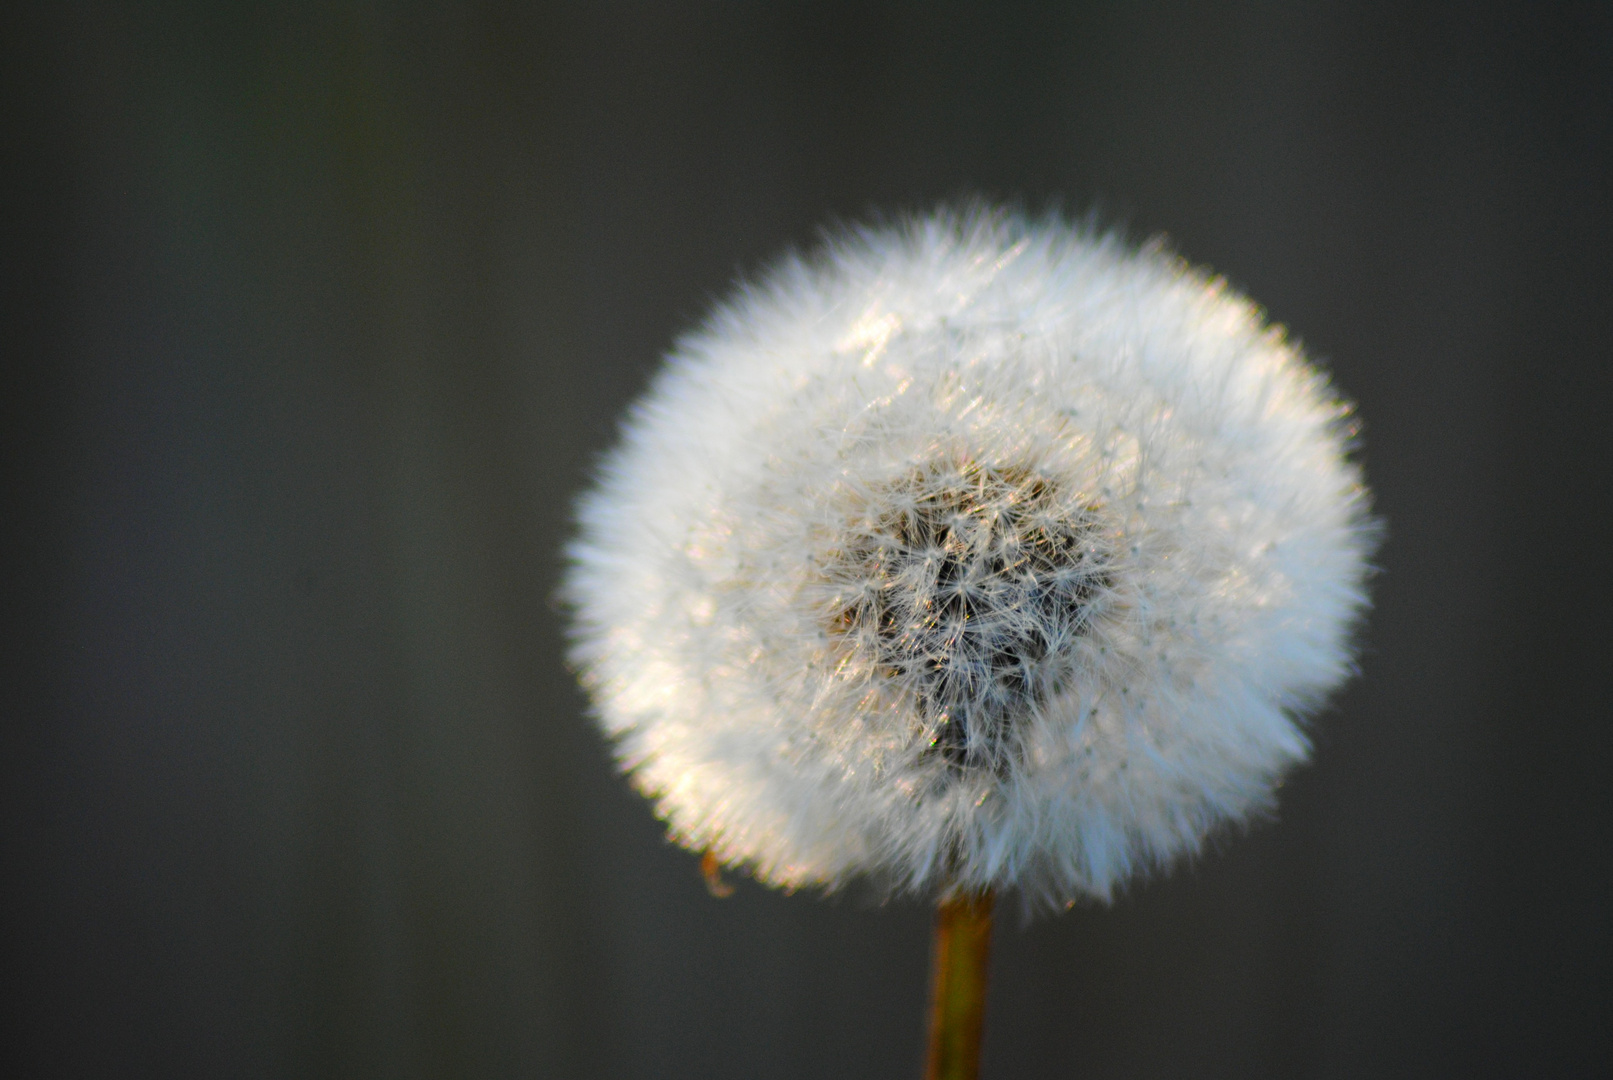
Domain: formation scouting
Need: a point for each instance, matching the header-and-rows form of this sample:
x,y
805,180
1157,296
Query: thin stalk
x,y
958,968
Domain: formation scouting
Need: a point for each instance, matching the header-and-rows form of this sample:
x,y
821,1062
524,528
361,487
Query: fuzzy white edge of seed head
x,y
1214,454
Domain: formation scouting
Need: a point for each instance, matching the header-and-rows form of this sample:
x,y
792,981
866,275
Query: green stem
x,y
958,986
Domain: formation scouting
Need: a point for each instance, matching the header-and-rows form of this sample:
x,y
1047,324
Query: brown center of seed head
x,y
966,586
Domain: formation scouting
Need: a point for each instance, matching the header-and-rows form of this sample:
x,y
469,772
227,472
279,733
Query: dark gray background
x,y
322,312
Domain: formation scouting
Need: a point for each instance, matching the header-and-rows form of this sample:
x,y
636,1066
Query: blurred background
x,y
320,312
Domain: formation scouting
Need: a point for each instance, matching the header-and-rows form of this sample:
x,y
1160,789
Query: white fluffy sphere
x,y
975,552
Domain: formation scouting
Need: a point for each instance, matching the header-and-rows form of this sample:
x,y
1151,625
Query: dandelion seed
x,y
973,553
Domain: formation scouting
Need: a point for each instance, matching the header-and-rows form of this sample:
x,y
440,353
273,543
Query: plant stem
x,y
958,986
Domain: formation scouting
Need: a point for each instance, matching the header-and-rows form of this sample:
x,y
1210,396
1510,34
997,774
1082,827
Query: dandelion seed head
x,y
974,552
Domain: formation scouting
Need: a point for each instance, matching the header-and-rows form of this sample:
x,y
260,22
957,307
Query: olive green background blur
x,y
318,314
